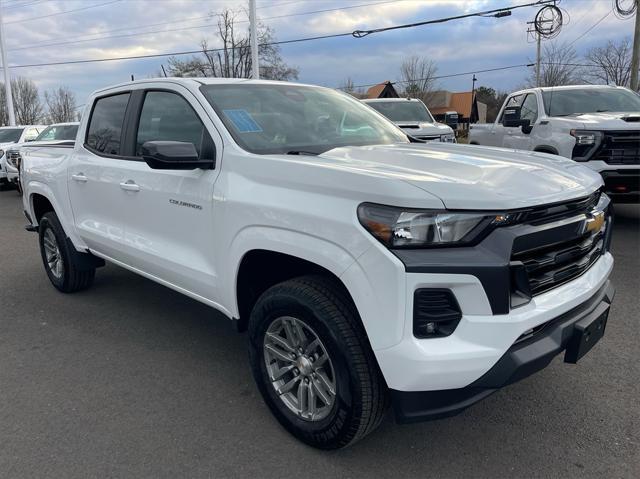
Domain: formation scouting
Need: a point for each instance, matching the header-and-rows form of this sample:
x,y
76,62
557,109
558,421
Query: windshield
x,y
591,100
10,135
58,132
403,110
269,118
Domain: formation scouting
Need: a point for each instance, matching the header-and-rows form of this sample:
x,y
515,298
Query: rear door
x,y
169,213
95,174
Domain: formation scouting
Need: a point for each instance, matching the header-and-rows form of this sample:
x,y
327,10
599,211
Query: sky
x,y
45,31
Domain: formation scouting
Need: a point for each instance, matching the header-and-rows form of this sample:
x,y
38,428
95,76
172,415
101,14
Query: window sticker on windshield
x,y
243,121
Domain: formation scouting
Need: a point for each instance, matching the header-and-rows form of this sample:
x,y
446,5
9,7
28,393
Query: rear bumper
x,y
525,357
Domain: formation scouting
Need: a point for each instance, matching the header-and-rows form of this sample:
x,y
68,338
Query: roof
x,y
460,102
383,100
196,81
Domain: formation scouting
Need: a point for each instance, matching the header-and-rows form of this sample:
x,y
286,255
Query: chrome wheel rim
x,y
299,368
52,254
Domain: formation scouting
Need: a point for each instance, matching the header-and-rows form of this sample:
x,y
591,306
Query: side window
x,y
105,125
31,134
529,109
167,116
513,101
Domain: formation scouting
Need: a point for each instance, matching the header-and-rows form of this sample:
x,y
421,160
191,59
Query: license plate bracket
x,y
587,332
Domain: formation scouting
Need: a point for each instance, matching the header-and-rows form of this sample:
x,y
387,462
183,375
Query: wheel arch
x,y
546,149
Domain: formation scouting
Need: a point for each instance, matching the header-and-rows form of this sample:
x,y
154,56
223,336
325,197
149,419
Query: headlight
x,y
448,138
586,137
402,228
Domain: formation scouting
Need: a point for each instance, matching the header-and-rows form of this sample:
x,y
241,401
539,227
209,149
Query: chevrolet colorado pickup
x,y
367,269
598,126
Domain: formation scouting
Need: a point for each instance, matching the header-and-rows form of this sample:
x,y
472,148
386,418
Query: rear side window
x,y
167,116
105,125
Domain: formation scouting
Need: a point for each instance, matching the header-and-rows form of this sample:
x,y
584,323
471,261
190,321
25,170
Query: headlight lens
x,y
448,138
401,228
586,137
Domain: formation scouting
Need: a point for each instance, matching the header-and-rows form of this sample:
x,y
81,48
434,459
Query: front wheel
x,y
313,363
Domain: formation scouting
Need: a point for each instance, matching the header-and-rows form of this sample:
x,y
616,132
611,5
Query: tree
x,y
61,105
26,102
348,87
557,66
233,58
613,63
492,99
418,74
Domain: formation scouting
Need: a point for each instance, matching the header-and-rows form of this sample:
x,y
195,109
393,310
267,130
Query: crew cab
x,y
598,126
367,268
10,135
413,117
56,134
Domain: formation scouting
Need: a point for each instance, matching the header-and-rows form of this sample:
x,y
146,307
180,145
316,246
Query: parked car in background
x,y
598,126
413,116
367,268
10,135
58,133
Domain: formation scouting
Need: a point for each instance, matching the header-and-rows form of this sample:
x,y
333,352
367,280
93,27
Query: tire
x,y
66,274
360,397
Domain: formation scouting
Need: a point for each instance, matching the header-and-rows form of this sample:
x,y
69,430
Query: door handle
x,y
80,177
130,185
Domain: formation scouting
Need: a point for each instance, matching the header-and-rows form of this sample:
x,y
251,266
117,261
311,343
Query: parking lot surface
x,y
131,379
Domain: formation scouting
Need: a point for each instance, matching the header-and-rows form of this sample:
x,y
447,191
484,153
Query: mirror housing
x,y
174,155
511,119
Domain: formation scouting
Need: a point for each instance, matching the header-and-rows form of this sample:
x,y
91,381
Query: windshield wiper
x,y
302,152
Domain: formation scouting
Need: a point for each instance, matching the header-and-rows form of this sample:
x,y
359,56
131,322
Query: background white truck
x,y
413,117
598,126
366,268
11,135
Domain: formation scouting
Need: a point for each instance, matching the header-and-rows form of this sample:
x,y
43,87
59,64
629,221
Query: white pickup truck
x,y
367,269
596,125
413,117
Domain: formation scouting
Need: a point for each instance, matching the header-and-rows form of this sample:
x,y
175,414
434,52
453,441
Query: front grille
x,y
428,137
566,256
619,148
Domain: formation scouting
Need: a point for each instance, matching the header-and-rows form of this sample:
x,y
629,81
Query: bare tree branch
x,y
613,63
418,74
61,105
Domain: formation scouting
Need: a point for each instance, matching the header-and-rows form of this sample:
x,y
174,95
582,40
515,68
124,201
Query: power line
x,y
126,35
62,13
355,34
589,29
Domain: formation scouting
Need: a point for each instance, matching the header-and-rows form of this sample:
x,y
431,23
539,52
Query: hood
x,y
471,177
603,120
422,128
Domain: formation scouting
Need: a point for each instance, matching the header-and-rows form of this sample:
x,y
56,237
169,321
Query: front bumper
x,y
523,358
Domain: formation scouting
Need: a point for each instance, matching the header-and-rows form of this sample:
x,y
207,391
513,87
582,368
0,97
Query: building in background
x,y
465,104
382,90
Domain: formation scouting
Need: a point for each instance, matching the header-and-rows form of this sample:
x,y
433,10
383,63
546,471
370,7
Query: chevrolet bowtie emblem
x,y
594,223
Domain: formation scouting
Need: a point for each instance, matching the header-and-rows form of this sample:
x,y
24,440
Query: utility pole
x,y
255,67
636,50
7,74
539,40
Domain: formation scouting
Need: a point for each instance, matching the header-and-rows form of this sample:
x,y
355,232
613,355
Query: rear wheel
x,y
313,364
60,259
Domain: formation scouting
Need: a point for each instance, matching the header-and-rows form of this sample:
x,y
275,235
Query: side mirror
x,y
173,155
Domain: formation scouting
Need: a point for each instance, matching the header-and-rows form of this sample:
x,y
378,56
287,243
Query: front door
x,y
169,213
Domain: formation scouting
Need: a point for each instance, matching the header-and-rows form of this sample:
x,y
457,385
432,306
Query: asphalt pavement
x,y
130,379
